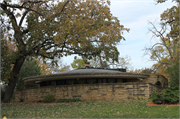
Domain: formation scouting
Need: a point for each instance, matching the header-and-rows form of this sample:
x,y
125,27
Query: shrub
x,y
141,98
68,100
168,96
39,101
133,98
49,98
157,98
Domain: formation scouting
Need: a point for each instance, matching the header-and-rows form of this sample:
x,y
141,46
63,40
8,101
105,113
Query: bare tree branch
x,y
22,18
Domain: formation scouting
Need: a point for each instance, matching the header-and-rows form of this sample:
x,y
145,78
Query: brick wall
x,y
153,78
153,88
108,91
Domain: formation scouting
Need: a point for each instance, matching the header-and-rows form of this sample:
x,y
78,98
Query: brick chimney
x,y
87,65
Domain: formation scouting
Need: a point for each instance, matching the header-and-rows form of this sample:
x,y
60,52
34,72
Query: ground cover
x,y
89,109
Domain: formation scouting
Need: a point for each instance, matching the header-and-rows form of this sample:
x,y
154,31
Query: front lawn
x,y
89,109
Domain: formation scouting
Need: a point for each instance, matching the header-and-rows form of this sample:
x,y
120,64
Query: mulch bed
x,y
169,105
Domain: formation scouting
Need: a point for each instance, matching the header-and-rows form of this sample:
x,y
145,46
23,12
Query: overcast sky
x,y
135,14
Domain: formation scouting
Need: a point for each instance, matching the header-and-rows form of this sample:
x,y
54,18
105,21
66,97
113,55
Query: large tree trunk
x,y
12,80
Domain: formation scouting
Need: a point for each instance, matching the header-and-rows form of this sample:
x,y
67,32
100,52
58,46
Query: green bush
x,y
49,98
168,96
157,98
39,101
68,100
141,98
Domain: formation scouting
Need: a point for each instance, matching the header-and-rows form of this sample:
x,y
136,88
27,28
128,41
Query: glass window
x,y
53,83
58,82
119,80
70,82
99,81
81,81
61,82
48,83
112,81
43,84
91,81
104,81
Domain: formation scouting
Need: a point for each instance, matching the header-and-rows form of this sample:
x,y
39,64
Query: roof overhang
x,y
35,79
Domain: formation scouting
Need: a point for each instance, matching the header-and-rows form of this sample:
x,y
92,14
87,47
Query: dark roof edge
x,y
96,73
126,83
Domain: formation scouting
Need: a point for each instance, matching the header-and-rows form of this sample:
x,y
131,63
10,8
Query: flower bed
x,y
152,104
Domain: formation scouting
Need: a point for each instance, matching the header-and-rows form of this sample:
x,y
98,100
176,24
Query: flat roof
x,y
88,71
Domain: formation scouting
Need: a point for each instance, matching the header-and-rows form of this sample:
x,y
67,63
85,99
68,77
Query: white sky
x,y
135,14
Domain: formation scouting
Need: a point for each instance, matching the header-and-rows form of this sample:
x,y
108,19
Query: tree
x,y
143,70
174,72
123,62
7,49
65,68
98,62
45,66
165,52
29,68
5,63
59,67
78,63
52,28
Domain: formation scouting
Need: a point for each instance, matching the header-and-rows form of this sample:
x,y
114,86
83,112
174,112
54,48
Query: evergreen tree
x,y
29,68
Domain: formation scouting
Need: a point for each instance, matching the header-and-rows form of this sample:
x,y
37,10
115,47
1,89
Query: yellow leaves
x,y
44,66
108,2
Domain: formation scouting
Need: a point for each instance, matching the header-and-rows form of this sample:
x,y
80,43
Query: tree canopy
x,y
143,70
78,63
166,51
46,29
174,72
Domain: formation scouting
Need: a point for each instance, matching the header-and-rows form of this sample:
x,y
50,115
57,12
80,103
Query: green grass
x,y
89,109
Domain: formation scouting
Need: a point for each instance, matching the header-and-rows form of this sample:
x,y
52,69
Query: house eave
x,y
32,80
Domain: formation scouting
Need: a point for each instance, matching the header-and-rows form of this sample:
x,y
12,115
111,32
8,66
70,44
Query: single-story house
x,y
92,84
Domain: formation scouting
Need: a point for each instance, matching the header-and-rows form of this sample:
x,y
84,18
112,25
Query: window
x,y
124,80
91,81
70,81
43,84
81,81
119,80
102,81
46,83
112,80
158,83
99,81
53,83
61,82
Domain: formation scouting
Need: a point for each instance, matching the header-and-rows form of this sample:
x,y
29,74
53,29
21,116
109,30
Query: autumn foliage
x,y
166,51
57,28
